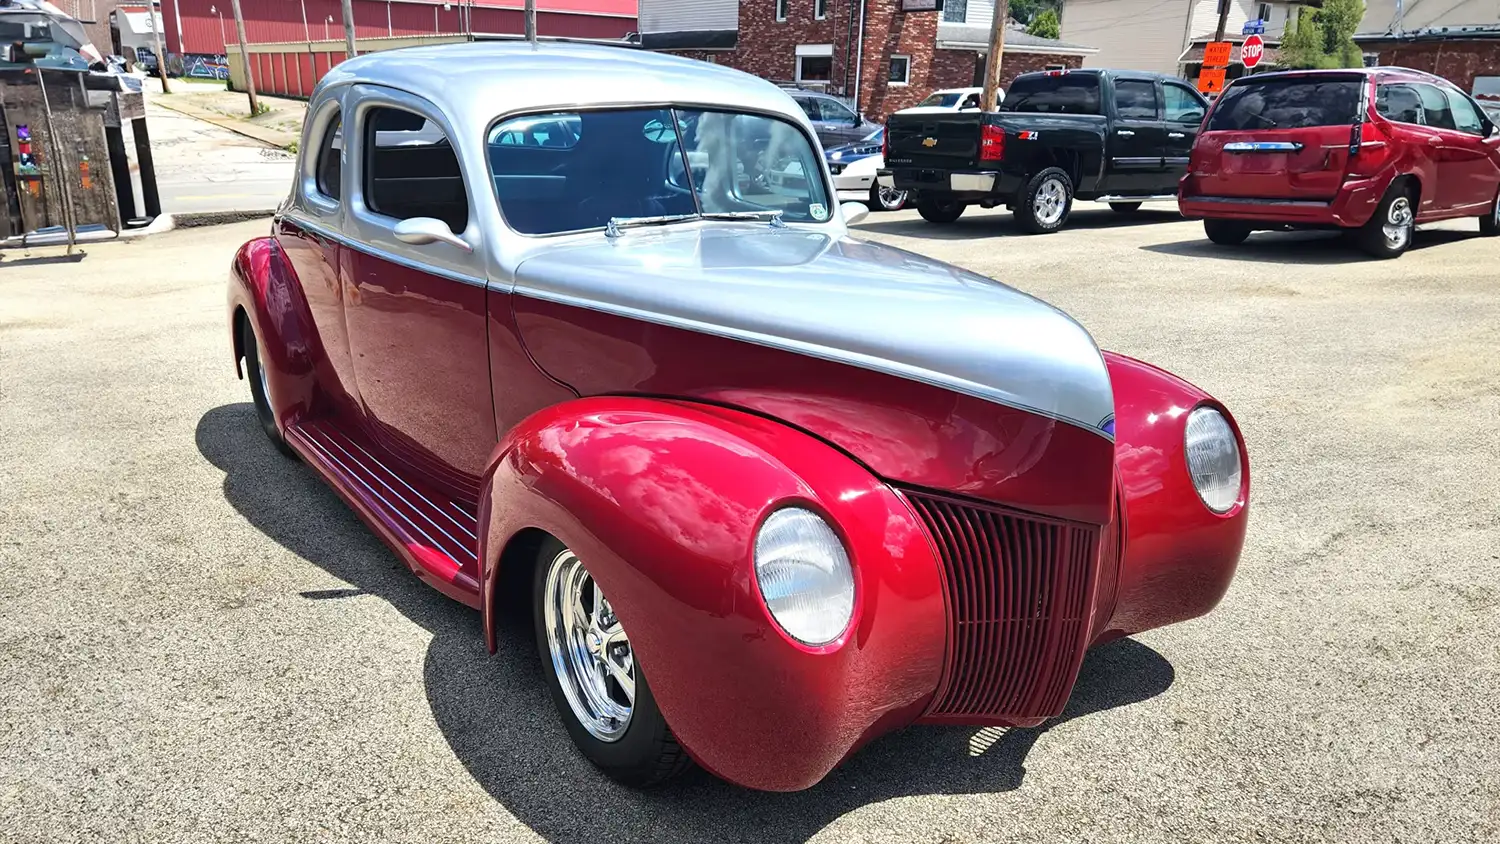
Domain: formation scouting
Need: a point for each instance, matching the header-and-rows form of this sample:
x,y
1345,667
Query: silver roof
x,y
476,82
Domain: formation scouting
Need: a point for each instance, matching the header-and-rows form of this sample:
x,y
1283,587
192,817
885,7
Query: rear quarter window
x,y
1287,104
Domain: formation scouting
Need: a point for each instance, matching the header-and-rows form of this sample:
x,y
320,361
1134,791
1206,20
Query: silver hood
x,y
844,300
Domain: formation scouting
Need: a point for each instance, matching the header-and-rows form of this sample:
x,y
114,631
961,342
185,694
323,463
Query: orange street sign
x,y
1211,80
1216,54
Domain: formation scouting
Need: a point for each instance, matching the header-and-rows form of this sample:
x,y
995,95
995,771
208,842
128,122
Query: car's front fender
x,y
662,500
264,286
1179,556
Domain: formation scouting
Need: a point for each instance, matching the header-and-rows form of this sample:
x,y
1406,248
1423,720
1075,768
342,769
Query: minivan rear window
x,y
1046,93
1295,103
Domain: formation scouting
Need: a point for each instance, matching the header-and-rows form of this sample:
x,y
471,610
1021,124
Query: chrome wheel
x,y
1050,202
260,373
590,653
890,199
1398,223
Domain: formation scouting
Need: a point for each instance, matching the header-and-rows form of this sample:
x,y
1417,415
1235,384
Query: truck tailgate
x,y
938,141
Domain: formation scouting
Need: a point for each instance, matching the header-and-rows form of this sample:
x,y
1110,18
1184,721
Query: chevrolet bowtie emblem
x,y
929,142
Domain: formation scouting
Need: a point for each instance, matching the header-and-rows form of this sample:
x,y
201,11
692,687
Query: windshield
x,y
564,172
941,100
1288,103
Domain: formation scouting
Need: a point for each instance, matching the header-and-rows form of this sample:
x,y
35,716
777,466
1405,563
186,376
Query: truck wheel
x,y
1489,224
1226,232
591,671
1389,232
886,199
1045,202
940,210
1124,207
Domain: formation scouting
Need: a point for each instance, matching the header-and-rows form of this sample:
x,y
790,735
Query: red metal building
x,y
205,27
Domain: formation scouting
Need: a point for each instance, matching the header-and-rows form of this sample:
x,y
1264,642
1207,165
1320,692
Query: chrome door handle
x,y
1176,135
1125,132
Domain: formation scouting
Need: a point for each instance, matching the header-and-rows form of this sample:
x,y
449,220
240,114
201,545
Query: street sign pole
x,y
1223,19
997,50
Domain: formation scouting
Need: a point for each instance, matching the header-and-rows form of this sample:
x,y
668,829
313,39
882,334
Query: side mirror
x,y
420,231
853,212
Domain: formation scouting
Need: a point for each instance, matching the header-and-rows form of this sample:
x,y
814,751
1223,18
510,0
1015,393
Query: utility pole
x,y
349,29
239,30
997,50
158,20
1223,19
531,21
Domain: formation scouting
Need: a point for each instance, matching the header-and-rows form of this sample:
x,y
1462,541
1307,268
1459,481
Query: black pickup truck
x,y
1116,136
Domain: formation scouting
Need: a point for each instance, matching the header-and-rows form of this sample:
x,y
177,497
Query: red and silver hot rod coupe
x,y
585,326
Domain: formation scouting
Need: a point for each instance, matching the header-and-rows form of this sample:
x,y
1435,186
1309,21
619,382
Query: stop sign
x,y
1251,51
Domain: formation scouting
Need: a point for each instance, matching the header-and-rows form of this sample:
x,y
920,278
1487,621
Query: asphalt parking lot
x,y
200,642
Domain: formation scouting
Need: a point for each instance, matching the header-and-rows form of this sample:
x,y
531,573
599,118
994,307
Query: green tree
x,y
1324,38
1045,25
1302,43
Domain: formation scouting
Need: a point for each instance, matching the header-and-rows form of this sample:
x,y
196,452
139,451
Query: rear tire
x,y
1045,202
1389,232
940,210
1226,232
1489,225
626,736
886,199
1124,207
260,390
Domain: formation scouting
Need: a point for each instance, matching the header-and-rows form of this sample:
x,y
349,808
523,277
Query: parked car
x,y
1116,136
767,491
834,120
1371,151
853,167
951,99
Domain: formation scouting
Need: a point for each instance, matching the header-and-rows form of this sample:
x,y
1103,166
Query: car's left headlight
x,y
804,575
1213,458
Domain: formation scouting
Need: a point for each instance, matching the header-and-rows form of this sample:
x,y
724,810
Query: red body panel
x,y
1179,556
903,430
663,499
1456,174
662,492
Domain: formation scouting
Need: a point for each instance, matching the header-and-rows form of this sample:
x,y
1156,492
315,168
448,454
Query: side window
x,y
809,107
834,111
1183,106
1400,103
1135,99
1465,114
411,169
330,159
1435,111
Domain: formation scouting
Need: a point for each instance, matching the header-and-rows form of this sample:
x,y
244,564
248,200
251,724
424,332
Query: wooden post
x,y
158,20
1223,19
531,21
997,50
239,31
349,44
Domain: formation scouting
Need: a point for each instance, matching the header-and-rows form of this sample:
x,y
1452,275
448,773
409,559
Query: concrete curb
x,y
272,137
199,219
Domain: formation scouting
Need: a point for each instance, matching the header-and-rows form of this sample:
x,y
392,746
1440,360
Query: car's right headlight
x,y
804,575
1213,458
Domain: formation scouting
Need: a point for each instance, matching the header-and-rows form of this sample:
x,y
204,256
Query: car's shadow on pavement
x,y
496,715
1305,247
1004,224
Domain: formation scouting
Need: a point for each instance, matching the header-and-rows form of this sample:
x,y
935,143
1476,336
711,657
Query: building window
x,y
815,63
820,9
781,10
956,11
900,70
1265,13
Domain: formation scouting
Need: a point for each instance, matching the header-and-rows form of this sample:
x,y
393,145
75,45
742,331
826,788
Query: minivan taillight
x,y
991,143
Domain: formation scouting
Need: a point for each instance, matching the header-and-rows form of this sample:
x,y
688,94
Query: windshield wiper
x,y
771,216
616,224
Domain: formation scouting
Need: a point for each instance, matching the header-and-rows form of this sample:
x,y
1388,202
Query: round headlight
x,y
803,573
1213,458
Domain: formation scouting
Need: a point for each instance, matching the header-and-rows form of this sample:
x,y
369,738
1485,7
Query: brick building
x,y
1467,56
869,51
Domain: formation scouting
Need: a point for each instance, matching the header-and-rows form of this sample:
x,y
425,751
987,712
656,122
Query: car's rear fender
x,y
1179,556
264,289
661,500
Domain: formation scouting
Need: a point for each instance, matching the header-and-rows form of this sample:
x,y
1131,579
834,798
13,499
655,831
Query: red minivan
x,y
1374,151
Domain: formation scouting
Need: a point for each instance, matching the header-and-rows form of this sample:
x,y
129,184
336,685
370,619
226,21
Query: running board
x,y
435,535
1163,197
